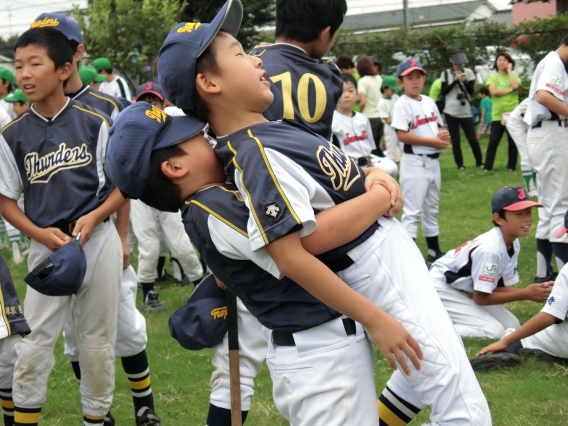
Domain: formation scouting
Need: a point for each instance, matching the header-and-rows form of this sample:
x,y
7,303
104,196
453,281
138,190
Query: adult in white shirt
x,y
115,85
369,88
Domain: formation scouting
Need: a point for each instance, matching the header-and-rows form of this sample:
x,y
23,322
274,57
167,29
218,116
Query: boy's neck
x,y
224,122
509,239
74,83
307,47
416,98
216,177
345,111
51,105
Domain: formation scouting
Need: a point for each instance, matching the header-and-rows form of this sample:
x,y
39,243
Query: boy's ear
x,y
64,71
79,53
498,219
174,169
207,84
399,82
325,35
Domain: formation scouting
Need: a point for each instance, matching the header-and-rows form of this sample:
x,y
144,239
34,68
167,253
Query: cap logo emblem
x,y
219,313
148,86
522,194
189,27
412,63
156,114
46,22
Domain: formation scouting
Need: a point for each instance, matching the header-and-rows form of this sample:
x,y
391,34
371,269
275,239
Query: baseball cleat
x,y
109,420
147,418
151,303
495,361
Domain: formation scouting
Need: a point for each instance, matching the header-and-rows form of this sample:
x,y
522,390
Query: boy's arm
x,y
535,292
52,238
412,139
390,336
122,218
537,323
88,222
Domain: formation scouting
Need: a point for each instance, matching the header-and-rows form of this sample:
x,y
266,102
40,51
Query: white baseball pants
x,y
393,146
94,315
390,271
553,340
252,352
420,180
326,379
469,318
547,147
146,223
518,131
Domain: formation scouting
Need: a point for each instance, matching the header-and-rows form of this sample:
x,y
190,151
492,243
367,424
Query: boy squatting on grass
x,y
283,196
70,196
215,217
475,279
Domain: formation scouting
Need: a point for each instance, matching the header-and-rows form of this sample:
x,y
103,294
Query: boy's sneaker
x,y
551,277
151,303
147,417
109,420
431,259
495,361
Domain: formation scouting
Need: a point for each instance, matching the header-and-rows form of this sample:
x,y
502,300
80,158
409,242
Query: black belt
x,y
283,338
339,264
68,227
539,124
434,156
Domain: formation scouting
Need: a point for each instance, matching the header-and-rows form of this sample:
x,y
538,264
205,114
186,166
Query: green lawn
x,y
533,394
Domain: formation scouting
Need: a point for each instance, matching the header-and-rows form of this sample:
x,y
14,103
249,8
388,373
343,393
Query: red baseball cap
x,y
150,87
512,198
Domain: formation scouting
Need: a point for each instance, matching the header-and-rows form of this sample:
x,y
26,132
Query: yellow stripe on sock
x,y
142,384
26,418
7,404
387,416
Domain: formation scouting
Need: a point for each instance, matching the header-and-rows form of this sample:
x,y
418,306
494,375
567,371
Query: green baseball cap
x,y
17,96
89,74
102,64
6,74
390,81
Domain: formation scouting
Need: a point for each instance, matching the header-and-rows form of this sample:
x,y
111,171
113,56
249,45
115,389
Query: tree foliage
x,y
7,46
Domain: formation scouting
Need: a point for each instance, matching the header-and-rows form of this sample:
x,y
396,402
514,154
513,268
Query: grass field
x,y
533,394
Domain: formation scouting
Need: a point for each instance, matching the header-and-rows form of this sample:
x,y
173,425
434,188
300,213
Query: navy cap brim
x,y
180,128
228,19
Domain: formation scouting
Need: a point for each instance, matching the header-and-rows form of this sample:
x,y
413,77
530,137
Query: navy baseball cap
x,y
406,67
563,230
202,322
62,273
149,87
512,198
137,131
177,59
60,22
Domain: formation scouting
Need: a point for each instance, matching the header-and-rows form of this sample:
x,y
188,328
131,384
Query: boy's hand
x,y
219,283
394,342
538,292
376,176
440,143
52,238
509,67
499,346
444,134
85,225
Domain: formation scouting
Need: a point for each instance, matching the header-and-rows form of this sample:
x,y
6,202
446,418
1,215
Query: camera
x,y
461,98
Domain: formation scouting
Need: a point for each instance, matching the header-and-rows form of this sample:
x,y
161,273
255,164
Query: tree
x,y
257,14
7,46
128,32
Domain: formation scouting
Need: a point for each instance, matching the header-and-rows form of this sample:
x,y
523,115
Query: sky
x,y
16,15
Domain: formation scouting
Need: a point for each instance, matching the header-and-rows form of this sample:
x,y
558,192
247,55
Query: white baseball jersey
x,y
386,106
550,75
353,133
481,264
557,303
4,118
420,117
8,107
113,88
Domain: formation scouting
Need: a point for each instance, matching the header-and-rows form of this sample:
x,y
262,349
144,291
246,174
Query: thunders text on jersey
x,y
421,121
41,169
338,166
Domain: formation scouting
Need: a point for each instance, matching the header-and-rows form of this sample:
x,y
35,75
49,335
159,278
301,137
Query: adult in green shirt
x,y
504,89
436,89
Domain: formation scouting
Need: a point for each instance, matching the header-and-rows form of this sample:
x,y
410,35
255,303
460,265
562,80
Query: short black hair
x,y
501,214
344,62
53,41
108,70
565,41
161,192
22,103
303,20
348,78
10,88
484,90
506,56
207,62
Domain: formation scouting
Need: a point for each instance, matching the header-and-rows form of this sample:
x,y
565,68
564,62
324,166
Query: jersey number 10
x,y
302,96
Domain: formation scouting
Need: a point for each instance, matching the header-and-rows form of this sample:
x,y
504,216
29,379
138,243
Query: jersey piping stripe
x,y
93,113
104,99
13,122
258,55
235,193
3,307
222,219
274,179
253,211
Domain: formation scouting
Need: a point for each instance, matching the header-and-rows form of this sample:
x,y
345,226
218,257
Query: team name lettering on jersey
x,y
46,22
41,169
355,138
156,114
421,121
339,167
189,27
219,313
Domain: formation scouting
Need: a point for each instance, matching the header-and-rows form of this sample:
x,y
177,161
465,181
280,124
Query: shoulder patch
x,y
490,269
272,210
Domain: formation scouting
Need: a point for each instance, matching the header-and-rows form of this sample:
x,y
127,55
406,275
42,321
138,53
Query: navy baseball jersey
x,y
57,163
216,221
306,90
13,325
98,100
287,174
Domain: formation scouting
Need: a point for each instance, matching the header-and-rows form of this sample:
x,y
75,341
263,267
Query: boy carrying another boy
x,y
417,122
54,154
284,173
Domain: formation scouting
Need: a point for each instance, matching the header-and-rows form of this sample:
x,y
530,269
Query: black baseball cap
x,y
149,87
202,322
512,198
